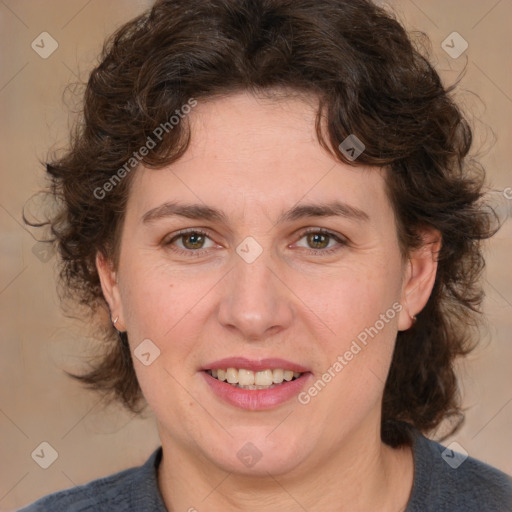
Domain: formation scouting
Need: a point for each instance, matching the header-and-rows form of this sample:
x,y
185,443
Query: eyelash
x,y
200,252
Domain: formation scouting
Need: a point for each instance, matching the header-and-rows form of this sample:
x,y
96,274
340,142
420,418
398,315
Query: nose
x,y
255,301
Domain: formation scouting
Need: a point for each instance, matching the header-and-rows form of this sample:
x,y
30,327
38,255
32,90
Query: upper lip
x,y
255,365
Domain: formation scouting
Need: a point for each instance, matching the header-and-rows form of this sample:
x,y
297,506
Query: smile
x,y
248,379
255,397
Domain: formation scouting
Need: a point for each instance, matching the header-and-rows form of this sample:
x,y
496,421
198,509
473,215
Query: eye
x,y
192,242
320,238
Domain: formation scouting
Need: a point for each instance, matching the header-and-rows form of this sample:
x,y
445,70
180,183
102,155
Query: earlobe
x,y
110,288
420,276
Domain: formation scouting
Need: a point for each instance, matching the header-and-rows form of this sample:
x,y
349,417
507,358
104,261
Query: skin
x,y
254,157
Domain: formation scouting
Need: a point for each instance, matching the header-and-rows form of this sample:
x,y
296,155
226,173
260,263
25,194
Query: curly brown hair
x,y
371,79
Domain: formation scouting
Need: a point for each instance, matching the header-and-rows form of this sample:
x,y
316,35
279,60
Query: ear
x,y
110,288
419,277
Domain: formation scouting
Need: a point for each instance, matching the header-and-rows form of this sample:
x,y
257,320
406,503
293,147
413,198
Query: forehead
x,y
249,153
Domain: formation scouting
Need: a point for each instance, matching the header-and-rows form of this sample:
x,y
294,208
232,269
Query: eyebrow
x,y
203,212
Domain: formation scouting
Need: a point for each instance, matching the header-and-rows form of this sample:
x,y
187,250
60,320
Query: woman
x,y
272,200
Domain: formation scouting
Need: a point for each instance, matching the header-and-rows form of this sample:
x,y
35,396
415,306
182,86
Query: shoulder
x,y
132,489
447,480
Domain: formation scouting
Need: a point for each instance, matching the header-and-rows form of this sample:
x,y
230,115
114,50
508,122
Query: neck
x,y
361,474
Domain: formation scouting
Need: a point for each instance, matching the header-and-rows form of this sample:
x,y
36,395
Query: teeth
x,y
246,378
277,376
254,380
264,378
232,375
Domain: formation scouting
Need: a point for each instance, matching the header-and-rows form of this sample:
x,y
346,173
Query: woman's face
x,y
262,283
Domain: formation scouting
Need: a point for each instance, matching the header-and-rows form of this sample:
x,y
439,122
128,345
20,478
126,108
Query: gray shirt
x,y
443,482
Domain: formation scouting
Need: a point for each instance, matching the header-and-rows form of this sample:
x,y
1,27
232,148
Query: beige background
x,y
37,402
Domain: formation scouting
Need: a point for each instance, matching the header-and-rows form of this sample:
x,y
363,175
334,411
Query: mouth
x,y
248,379
255,385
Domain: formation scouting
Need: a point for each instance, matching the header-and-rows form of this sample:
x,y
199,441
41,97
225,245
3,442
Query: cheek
x,y
156,306
148,290
361,312
161,305
143,301
353,299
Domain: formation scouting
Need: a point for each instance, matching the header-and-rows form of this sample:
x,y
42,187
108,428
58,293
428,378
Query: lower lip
x,y
257,399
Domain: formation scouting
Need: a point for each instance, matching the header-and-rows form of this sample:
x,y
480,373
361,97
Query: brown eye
x,y
318,240
189,242
193,240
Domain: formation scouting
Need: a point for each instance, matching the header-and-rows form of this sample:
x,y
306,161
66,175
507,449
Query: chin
x,y
258,455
